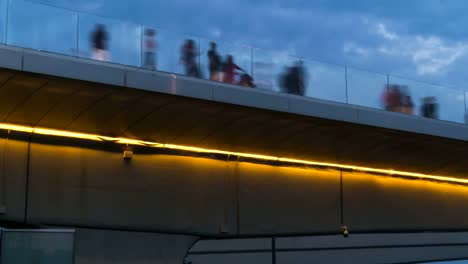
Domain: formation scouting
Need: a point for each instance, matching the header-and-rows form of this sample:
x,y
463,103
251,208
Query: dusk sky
x,y
421,40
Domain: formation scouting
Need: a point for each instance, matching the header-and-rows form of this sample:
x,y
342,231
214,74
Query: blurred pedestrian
x,y
429,107
392,98
189,59
230,70
294,80
99,38
407,106
214,63
246,80
150,46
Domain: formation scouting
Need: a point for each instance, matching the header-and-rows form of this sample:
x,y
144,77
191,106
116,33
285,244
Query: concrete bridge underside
x,y
47,181
52,102
60,183
74,183
70,182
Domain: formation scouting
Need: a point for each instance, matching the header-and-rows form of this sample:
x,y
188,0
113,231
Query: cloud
x,y
354,49
430,55
414,54
215,32
382,31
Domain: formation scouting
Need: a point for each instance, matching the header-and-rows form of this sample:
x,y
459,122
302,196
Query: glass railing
x,y
72,33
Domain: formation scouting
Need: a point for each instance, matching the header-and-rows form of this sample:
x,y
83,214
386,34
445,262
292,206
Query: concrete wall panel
x,y
324,109
76,186
156,82
11,58
373,203
79,69
274,200
251,97
194,88
13,170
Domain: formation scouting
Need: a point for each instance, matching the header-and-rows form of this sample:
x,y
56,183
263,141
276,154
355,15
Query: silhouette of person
x,y
229,70
99,38
392,98
294,80
214,63
150,45
429,107
189,59
246,80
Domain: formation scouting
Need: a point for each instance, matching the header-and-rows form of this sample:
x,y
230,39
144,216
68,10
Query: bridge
x,y
218,161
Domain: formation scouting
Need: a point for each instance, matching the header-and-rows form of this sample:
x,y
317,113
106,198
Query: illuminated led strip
x,y
127,141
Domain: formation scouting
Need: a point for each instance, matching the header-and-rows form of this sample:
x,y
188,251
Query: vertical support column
x,y
230,225
341,199
28,172
4,175
273,250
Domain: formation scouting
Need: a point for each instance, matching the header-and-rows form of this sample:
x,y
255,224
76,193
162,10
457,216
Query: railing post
x,y
464,101
346,84
251,62
142,32
199,58
77,51
388,81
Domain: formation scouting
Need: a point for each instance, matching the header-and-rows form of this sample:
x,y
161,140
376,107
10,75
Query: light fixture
x,y
251,156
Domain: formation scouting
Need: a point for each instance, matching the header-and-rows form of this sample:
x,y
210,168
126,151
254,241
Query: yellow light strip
x,y
59,133
127,141
16,128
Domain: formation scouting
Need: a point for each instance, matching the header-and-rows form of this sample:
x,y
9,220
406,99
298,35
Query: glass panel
x,y
366,88
414,94
325,81
110,40
47,28
3,19
269,68
170,55
37,247
450,102
466,108
241,57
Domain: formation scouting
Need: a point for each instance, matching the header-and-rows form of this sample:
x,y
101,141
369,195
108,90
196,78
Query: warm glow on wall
x,y
127,141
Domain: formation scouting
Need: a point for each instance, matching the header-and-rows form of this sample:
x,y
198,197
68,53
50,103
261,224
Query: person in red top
x,y
392,98
229,70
